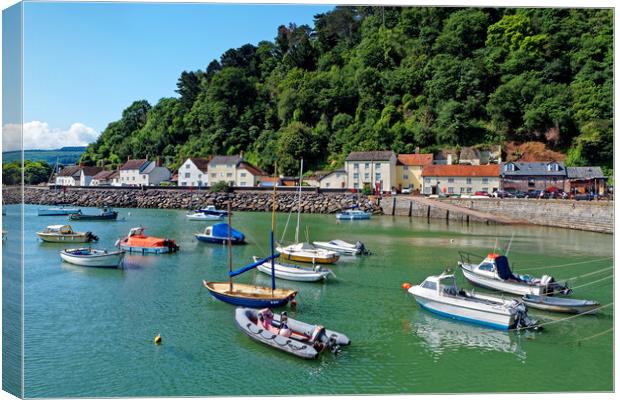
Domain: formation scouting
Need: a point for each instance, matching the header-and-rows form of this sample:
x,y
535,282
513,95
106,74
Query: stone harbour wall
x,y
311,202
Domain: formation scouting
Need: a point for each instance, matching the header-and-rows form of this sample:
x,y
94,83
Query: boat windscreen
x,y
503,269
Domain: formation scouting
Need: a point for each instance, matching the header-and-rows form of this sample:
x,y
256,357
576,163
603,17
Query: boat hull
x,y
338,249
344,217
204,217
488,317
249,295
503,286
560,305
79,238
109,260
56,212
293,273
84,217
216,239
307,258
145,250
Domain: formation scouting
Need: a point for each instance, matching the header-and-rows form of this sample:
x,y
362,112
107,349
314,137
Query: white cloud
x,y
38,135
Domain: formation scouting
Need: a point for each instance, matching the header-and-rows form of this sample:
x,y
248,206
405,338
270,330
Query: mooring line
x,y
588,274
591,337
566,265
590,283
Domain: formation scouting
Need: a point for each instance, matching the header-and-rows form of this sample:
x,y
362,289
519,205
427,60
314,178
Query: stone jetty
x,y
311,202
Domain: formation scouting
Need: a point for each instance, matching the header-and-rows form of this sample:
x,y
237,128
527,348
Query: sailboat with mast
x,y
304,251
248,295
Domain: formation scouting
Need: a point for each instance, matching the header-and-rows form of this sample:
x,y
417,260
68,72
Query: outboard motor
x,y
524,321
91,237
172,247
362,249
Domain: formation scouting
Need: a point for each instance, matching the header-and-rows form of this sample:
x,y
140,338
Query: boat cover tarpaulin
x,y
221,230
503,269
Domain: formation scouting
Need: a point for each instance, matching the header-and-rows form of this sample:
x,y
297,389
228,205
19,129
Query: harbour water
x,y
89,332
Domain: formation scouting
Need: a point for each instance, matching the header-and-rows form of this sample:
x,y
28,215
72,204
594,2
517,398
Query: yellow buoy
x,y
157,339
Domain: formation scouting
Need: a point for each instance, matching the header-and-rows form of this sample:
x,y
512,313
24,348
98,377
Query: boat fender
x,y
157,339
546,279
293,304
406,285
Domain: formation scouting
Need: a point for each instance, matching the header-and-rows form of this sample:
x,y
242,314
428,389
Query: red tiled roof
x,y
70,170
91,171
251,169
103,175
201,163
415,159
134,164
461,170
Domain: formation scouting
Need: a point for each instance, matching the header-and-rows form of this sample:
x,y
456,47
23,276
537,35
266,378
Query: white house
x,y
142,173
69,176
462,179
103,178
87,174
233,170
371,169
194,172
334,180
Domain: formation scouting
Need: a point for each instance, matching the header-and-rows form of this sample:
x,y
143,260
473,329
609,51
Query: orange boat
x,y
138,242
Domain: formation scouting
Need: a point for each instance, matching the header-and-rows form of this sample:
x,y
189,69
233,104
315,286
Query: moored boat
x,y
440,295
58,210
560,304
342,247
89,257
105,214
201,216
493,272
305,252
353,215
287,334
293,272
246,295
137,242
64,234
213,211
218,233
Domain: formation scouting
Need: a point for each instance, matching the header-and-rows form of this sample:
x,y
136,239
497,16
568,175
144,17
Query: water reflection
x,y
441,335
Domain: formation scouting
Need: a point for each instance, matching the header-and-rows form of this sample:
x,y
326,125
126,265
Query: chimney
x,y
449,159
128,157
157,162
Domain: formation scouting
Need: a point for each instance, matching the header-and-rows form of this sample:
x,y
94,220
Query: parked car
x,y
537,194
520,195
481,193
407,190
503,194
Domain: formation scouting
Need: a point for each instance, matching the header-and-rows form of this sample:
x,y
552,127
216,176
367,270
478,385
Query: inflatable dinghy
x,y
295,337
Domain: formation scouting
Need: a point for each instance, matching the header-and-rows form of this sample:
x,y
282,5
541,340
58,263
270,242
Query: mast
x,y
301,172
230,282
273,226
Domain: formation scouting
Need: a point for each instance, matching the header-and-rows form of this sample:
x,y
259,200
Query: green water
x,y
88,332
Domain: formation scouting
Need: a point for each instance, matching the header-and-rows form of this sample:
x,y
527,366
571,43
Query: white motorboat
x,y
353,215
342,247
305,252
64,233
494,273
440,295
59,210
88,257
293,272
202,216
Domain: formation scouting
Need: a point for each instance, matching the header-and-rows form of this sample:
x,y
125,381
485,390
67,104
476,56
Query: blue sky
x,y
85,62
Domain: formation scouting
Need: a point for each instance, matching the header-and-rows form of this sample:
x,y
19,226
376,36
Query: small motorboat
x,y
305,252
293,272
494,273
287,334
105,214
211,210
560,304
138,242
440,295
64,234
218,233
89,257
246,295
59,210
201,216
353,215
342,247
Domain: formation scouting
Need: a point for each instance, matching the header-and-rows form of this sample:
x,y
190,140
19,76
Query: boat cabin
x,y
59,229
495,265
139,231
442,284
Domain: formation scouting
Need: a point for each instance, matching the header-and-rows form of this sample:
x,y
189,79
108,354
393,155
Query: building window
x,y
366,175
450,189
469,181
553,167
485,189
427,180
356,185
356,165
133,178
187,174
510,167
199,175
242,183
213,175
378,176
229,174
531,182
187,166
356,175
450,180
367,165
326,184
242,174
468,190
405,177
462,190
405,167
183,183
485,181
377,165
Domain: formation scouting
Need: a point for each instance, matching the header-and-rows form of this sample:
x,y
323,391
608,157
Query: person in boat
x,y
284,329
265,317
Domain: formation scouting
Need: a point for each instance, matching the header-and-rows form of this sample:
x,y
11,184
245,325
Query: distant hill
x,y
64,155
